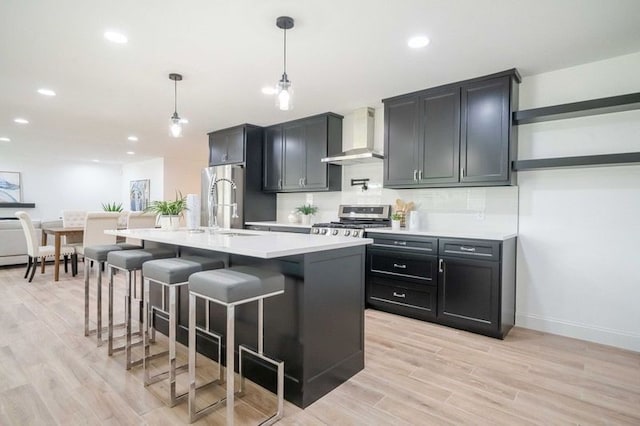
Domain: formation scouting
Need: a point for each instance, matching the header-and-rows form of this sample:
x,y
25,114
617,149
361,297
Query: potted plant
x,y
307,210
116,207
169,211
395,220
112,207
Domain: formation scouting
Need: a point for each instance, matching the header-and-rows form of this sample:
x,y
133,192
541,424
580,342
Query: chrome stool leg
x,y
260,354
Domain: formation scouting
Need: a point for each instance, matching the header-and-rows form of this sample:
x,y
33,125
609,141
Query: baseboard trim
x,y
605,336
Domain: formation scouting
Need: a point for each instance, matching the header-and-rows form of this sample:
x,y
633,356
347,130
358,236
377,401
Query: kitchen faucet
x,y
213,201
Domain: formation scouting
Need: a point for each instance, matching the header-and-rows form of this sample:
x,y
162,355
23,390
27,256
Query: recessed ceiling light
x,y
268,90
418,41
5,139
21,120
96,161
116,37
46,92
184,120
133,138
130,152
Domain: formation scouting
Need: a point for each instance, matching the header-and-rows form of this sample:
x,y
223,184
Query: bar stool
x,y
233,287
171,273
97,254
129,261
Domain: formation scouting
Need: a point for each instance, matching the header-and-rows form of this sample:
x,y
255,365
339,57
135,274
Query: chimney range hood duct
x,y
362,152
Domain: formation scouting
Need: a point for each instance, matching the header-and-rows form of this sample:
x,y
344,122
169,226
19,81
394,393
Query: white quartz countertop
x,y
245,242
472,235
283,224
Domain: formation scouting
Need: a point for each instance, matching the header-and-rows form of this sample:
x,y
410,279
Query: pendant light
x,y
284,89
175,125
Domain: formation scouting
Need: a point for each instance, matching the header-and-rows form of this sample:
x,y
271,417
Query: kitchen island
x,y
316,327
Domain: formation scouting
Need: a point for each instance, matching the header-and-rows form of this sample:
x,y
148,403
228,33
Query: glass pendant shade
x,y
284,94
175,126
175,123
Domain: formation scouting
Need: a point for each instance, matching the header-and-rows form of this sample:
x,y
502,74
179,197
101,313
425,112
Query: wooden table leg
x,y
44,243
56,261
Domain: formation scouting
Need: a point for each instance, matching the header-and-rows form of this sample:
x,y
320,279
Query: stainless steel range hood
x,y
362,135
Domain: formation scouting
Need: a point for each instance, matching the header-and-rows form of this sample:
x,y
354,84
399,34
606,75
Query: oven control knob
x,y
356,233
324,232
347,233
334,232
315,230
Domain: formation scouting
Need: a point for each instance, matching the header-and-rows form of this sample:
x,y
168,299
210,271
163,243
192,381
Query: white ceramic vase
x,y
306,219
395,225
169,223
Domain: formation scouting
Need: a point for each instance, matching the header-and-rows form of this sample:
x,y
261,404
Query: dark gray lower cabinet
x,y
467,284
402,274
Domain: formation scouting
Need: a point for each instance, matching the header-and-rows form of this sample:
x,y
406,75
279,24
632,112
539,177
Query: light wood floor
x,y
416,373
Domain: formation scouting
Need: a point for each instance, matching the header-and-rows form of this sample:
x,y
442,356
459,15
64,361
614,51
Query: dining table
x,y
58,233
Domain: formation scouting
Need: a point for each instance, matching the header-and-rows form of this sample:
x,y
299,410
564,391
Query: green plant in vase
x,y
395,220
169,211
307,210
112,207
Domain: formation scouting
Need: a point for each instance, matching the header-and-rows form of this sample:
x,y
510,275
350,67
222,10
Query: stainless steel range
x,y
354,220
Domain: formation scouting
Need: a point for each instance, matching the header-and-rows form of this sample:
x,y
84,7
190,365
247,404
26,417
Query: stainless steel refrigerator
x,y
233,193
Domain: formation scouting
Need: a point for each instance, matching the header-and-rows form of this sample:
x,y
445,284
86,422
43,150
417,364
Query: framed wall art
x,y
10,187
139,194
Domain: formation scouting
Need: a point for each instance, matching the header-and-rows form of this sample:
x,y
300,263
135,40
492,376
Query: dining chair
x,y
94,226
73,219
136,220
35,251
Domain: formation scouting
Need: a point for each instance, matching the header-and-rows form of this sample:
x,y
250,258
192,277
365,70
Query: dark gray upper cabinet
x,y
438,137
400,142
272,179
484,141
459,134
227,146
293,151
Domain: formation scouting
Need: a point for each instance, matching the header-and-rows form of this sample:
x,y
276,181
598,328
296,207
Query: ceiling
x,y
341,55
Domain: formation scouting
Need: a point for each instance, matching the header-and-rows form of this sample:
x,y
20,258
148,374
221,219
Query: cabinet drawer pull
x,y
441,265
402,296
396,265
279,183
420,175
400,243
415,175
471,249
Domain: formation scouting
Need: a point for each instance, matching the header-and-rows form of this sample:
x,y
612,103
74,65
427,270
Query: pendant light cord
x,y
285,52
175,96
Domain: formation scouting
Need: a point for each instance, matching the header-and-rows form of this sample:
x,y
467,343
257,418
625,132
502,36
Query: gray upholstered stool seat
x,y
99,253
129,246
130,261
241,283
133,259
171,273
233,287
178,270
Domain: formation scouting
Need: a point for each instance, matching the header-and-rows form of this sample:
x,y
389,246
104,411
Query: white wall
x,y
182,173
57,185
149,169
578,251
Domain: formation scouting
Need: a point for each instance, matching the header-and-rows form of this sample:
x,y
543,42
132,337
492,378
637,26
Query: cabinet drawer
x,y
423,244
401,295
474,249
424,300
408,265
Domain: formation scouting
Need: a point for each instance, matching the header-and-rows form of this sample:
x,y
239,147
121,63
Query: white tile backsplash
x,y
483,209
